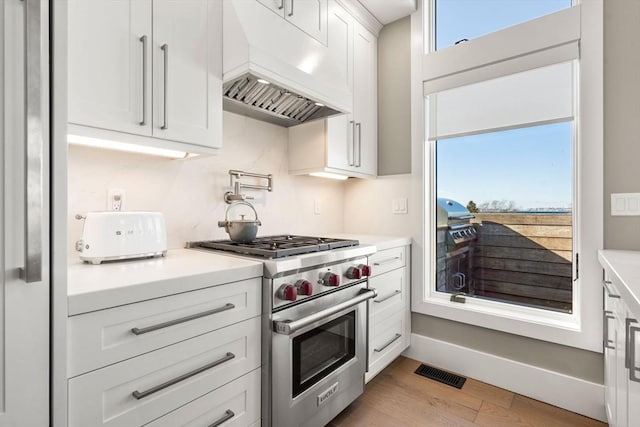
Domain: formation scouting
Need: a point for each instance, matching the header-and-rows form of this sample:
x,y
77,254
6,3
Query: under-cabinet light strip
x,y
328,175
122,146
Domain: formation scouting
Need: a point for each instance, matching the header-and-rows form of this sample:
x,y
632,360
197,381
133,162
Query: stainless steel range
x,y
314,344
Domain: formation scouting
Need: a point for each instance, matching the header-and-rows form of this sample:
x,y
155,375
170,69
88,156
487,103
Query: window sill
x,y
561,328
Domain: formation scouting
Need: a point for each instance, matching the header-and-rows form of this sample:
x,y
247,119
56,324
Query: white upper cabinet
x,y
107,56
339,137
308,15
365,100
187,70
148,68
346,144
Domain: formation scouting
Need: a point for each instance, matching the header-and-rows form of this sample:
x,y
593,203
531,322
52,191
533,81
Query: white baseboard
x,y
573,394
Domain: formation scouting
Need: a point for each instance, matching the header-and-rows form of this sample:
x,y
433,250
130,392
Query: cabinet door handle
x,y
394,339
391,295
165,50
387,261
140,331
228,414
632,354
34,140
143,40
351,150
359,125
291,10
606,284
607,315
627,344
142,394
281,5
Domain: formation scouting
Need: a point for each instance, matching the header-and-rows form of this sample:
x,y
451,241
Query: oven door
x,y
319,358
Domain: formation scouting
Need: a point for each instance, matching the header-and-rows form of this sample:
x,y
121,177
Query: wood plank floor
x,y
397,397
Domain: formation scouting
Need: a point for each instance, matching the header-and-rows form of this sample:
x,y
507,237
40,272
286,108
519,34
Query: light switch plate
x,y
625,204
399,205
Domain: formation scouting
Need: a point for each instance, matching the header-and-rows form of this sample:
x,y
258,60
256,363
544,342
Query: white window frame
x,y
533,44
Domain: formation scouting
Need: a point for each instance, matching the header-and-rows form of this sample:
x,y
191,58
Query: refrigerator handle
x,y
34,147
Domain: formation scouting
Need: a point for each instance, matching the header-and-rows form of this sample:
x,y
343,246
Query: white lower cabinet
x,y
235,404
388,339
621,338
104,337
389,313
191,359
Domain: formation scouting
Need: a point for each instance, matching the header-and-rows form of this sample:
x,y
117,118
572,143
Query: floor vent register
x,y
441,376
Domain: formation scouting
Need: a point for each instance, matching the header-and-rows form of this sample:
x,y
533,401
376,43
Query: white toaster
x,y
108,236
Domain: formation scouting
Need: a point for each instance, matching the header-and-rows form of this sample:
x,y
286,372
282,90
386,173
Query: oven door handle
x,y
288,327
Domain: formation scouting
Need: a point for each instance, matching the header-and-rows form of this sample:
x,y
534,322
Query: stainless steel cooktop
x,y
276,246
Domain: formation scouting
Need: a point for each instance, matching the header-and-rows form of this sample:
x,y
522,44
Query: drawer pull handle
x,y
394,339
393,294
627,345
633,369
226,417
387,261
606,284
140,331
607,315
142,394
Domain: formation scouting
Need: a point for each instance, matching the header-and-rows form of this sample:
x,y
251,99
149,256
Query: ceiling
x,y
387,11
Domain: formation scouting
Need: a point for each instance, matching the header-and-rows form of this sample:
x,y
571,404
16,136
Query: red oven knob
x,y
353,273
287,292
304,287
365,269
330,279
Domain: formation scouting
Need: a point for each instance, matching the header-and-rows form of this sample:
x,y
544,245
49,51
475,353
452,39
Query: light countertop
x,y
110,284
380,242
96,287
624,266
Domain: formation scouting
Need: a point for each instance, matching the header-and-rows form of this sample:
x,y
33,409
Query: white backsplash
x,y
368,206
190,192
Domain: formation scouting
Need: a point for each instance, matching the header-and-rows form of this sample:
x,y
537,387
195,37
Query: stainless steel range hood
x,y
260,99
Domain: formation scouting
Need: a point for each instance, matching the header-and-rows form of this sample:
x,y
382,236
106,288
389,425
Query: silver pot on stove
x,y
241,230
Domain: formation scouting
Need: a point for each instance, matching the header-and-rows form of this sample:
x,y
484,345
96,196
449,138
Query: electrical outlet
x,y
316,206
115,199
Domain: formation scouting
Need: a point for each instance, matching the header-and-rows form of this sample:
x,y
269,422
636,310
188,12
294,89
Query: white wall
x,y
189,192
368,206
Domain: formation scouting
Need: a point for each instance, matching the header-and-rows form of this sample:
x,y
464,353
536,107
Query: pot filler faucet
x,y
234,181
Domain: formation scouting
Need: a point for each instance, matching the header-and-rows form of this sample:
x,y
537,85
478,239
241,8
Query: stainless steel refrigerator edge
x,y
25,254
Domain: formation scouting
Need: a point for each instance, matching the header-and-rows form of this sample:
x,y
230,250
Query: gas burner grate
x,y
277,246
441,376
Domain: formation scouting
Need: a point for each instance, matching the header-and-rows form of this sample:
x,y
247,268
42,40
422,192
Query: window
x,y
518,186
512,122
517,247
457,20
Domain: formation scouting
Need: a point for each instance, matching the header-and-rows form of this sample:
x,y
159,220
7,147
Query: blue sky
x,y
468,19
530,166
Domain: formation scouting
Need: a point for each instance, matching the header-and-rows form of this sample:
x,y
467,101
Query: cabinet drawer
x,y
387,260
107,336
165,379
235,404
392,291
387,339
